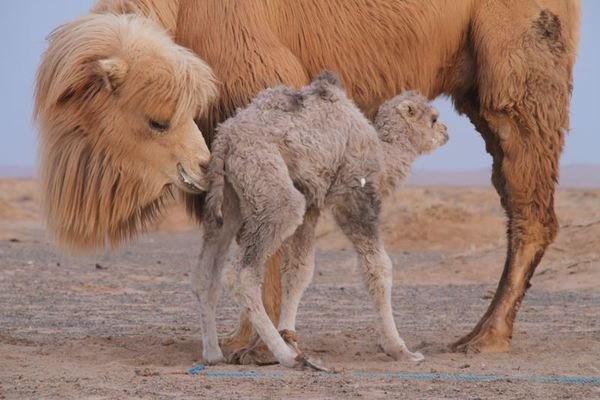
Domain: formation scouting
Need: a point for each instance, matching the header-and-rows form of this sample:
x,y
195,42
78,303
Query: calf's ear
x,y
407,108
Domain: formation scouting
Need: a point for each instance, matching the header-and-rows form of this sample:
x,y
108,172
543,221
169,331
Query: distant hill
x,y
17,171
571,176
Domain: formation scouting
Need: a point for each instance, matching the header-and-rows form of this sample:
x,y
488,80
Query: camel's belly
x,y
379,47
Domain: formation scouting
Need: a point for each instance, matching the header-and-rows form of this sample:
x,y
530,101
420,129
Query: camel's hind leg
x,y
521,109
263,62
526,189
358,218
272,209
243,346
206,278
243,280
297,271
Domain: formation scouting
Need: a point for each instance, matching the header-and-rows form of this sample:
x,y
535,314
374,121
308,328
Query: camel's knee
x,y
534,228
206,272
525,170
377,271
244,284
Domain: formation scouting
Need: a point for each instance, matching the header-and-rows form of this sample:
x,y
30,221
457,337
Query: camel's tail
x,y
213,207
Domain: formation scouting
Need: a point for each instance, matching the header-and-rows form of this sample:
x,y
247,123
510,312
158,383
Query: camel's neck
x,y
398,157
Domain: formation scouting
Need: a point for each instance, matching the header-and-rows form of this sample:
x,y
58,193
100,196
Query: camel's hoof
x,y
312,363
483,341
231,344
213,360
256,353
399,353
302,360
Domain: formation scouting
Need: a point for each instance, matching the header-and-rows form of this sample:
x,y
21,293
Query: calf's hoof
x,y
212,357
401,352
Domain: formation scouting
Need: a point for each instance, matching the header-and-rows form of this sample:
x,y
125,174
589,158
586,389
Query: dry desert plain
x,y
125,324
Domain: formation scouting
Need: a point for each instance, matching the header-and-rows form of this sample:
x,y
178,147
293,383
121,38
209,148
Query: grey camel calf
x,y
279,162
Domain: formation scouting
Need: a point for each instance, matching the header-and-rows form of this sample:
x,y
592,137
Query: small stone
x,y
14,240
464,366
167,342
146,372
99,266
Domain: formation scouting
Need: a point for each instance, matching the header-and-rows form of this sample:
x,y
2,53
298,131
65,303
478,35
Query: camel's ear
x,y
407,108
112,71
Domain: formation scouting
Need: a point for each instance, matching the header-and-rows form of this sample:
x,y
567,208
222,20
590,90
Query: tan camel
x,y
115,134
506,64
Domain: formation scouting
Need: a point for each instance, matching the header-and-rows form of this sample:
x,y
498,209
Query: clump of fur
x,y
115,103
275,167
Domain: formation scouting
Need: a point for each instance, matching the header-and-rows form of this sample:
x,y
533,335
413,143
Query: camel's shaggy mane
x,y
93,193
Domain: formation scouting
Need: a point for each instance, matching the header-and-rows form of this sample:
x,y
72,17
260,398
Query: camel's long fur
x,y
163,12
507,64
95,189
311,148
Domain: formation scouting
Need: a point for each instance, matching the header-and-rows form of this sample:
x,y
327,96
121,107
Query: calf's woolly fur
x,y
311,149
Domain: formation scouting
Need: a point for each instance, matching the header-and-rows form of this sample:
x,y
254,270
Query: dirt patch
x,y
130,328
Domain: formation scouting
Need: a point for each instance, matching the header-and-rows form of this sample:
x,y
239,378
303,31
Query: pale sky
x,y
24,24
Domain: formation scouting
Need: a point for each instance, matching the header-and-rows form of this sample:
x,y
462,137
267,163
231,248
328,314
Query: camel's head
x,y
410,119
116,100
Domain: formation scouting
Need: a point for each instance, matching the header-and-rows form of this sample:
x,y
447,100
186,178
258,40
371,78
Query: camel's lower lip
x,y
186,180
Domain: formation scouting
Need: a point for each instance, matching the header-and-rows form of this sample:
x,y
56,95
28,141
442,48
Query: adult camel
x,y
506,64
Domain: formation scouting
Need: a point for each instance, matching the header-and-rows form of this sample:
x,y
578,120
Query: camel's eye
x,y
434,119
158,126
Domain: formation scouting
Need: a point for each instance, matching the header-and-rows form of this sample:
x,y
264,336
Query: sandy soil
x,y
125,325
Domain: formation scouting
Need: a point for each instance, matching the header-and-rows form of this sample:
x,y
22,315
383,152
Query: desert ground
x,y
125,324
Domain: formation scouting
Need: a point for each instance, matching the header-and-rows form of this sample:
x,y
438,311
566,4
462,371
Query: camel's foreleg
x,y
520,105
358,217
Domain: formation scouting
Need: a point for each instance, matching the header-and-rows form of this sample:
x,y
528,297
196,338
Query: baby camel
x,y
275,166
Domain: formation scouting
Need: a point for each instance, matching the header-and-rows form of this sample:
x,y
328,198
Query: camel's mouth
x,y
187,183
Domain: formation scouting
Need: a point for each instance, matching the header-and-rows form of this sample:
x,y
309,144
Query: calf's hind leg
x,y
297,272
359,220
206,277
272,209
